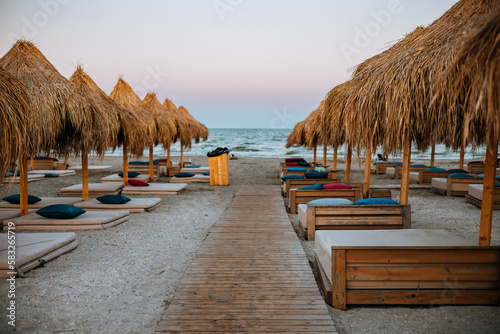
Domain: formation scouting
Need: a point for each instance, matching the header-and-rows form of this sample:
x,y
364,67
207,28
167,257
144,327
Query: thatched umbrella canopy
x,y
201,132
183,125
15,113
315,131
297,136
165,123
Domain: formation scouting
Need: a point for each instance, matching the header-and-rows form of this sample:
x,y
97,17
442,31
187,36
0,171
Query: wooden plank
x,y
488,187
423,297
339,279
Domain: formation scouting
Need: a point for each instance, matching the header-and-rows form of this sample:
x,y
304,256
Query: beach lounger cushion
x,y
159,160
60,211
302,163
457,170
206,173
138,163
398,165
497,185
337,186
193,166
435,169
320,169
138,183
292,160
290,164
129,174
113,199
11,173
417,165
329,202
481,176
460,175
314,187
292,177
184,174
51,175
316,175
296,169
16,199
375,201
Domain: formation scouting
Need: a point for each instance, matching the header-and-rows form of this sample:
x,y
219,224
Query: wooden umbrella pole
x,y
335,151
168,156
462,153
368,162
433,153
32,162
315,147
85,176
324,154
488,189
348,164
125,164
151,174
23,185
405,176
182,157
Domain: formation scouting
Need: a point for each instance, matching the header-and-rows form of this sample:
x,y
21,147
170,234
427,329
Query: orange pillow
x,y
138,183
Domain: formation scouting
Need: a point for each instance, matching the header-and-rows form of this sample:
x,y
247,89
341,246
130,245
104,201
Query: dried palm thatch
x,y
121,124
165,123
182,123
297,136
125,97
15,113
316,130
200,131
64,119
471,79
337,127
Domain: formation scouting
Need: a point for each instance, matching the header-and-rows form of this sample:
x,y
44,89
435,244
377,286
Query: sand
x,y
121,280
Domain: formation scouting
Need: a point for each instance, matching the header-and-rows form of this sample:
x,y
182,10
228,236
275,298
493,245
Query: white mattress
x,y
94,168
94,188
135,205
325,239
390,171
414,177
196,178
476,190
155,189
117,178
4,215
31,178
439,182
303,214
45,201
32,249
55,171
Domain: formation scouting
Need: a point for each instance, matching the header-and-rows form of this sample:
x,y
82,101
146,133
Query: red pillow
x,y
292,160
138,183
337,186
290,164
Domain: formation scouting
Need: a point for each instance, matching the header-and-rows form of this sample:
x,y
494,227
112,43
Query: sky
x,y
231,63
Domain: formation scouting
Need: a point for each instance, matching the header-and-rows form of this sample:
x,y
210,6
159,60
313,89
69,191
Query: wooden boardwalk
x,y
250,275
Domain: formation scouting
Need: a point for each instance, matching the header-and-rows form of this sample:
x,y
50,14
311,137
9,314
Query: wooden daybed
x,y
47,164
453,186
412,267
299,183
380,166
144,169
304,196
475,196
425,177
398,171
353,217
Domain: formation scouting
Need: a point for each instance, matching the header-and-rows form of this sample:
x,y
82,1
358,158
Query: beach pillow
x,y
16,199
497,185
312,187
60,211
435,169
320,169
375,201
296,169
316,175
206,173
159,160
337,186
457,170
286,177
130,174
184,174
138,183
475,162
399,164
481,176
292,160
417,165
113,199
303,163
193,166
460,175
290,164
329,202
12,173
137,163
51,175
154,163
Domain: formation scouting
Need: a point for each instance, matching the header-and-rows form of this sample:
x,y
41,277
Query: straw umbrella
x,y
316,131
15,112
122,125
470,78
182,124
63,119
125,97
200,131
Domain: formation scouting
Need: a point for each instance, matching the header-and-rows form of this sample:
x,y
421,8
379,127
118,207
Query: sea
x,y
271,143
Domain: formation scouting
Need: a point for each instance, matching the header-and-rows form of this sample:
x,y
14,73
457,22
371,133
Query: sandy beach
x,y
121,280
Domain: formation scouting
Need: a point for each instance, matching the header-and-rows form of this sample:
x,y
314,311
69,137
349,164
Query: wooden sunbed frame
x,y
478,202
357,217
448,275
144,169
426,177
304,196
399,170
331,174
477,167
454,180
380,167
298,183
43,164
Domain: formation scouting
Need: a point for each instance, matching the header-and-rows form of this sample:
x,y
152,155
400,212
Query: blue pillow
x,y
154,163
457,170
375,201
184,174
435,169
16,199
330,202
193,166
316,175
296,169
312,187
12,173
320,169
461,175
398,165
497,185
206,173
113,199
51,175
481,176
303,163
137,163
417,165
130,174
60,211
292,176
